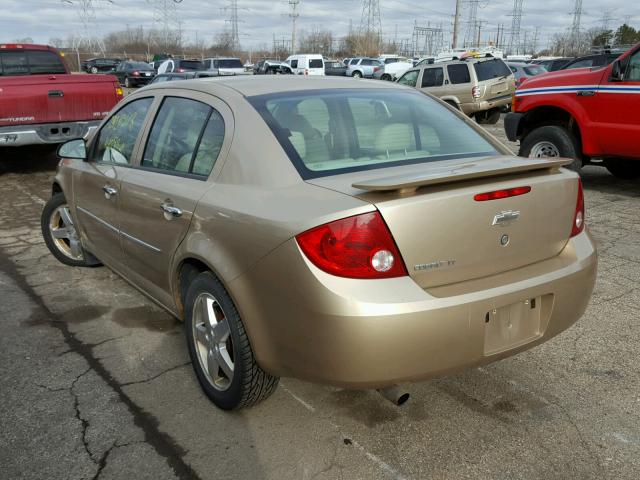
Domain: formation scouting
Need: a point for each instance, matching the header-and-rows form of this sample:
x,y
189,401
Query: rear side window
x,y
30,62
210,145
118,136
432,77
316,63
14,63
489,69
230,63
192,64
366,62
458,74
329,132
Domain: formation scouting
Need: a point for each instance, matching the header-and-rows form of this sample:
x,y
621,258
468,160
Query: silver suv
x,y
480,88
363,67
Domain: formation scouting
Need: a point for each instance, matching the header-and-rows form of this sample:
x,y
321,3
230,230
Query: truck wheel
x,y
623,169
219,347
60,234
489,117
551,141
94,70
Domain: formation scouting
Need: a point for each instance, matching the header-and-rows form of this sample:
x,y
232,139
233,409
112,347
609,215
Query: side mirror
x,y
76,149
617,75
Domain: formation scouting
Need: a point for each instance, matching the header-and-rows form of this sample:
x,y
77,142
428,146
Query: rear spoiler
x,y
486,167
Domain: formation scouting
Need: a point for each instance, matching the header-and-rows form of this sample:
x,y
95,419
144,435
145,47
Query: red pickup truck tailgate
x,y
56,98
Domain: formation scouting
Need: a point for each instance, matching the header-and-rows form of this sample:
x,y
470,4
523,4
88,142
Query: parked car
x,y
334,68
306,64
479,87
523,71
392,67
168,77
553,64
425,61
293,248
134,74
180,65
41,102
346,61
267,67
582,114
590,61
362,67
225,66
100,65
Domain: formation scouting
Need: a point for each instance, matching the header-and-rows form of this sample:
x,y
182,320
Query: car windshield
x,y
489,69
230,63
327,132
534,70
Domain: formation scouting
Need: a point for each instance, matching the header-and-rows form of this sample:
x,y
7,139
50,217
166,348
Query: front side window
x,y
585,63
410,78
432,77
294,63
458,74
338,131
186,137
118,136
633,70
367,62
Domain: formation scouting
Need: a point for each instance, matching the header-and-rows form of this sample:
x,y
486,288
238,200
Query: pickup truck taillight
x,y
475,92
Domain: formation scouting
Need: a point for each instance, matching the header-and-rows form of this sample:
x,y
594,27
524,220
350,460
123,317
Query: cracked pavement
x,y
96,383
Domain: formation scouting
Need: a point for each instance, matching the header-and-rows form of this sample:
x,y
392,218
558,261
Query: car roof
x,y
262,85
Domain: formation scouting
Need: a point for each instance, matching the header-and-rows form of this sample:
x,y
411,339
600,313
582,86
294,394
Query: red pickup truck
x,y
41,102
590,114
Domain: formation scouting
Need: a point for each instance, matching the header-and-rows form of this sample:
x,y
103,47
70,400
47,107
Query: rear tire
x,y
623,169
386,77
357,74
94,70
221,354
452,104
551,141
60,234
489,117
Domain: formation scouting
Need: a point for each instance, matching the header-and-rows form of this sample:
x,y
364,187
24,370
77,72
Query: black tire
x,y
558,138
623,169
357,74
127,82
452,104
489,117
250,384
386,77
57,246
94,70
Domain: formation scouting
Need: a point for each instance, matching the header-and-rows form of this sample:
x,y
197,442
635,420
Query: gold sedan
x,y
359,234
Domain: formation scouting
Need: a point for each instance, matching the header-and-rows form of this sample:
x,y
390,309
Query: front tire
x,y
623,169
60,234
219,348
551,141
94,70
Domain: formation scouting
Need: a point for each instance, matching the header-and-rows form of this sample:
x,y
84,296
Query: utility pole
x,y
294,18
456,25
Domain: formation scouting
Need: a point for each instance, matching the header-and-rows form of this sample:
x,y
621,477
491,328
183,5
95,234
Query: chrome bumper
x,y
49,133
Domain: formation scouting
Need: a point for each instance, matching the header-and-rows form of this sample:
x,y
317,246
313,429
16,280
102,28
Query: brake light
x,y
578,217
180,70
498,194
136,73
475,92
354,247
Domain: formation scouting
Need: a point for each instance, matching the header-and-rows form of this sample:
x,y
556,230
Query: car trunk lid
x,y
446,236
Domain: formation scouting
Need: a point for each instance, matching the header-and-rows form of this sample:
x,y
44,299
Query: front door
x,y
96,183
158,197
618,104
432,81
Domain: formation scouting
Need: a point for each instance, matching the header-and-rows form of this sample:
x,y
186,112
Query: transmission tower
x,y
516,20
166,20
87,38
433,40
371,25
574,34
472,22
233,20
294,18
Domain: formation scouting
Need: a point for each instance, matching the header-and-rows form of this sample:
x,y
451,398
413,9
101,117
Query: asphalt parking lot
x,y
96,382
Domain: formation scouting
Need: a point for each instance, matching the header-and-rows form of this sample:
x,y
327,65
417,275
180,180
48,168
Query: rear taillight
x,y
377,69
354,247
498,194
475,92
180,70
578,217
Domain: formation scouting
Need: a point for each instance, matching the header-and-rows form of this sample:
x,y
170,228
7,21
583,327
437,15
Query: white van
x,y
306,64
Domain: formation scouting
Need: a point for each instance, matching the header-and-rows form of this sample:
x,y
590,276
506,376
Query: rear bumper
x,y
367,334
512,125
48,133
484,105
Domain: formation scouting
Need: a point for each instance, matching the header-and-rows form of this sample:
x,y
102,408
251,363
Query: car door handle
x,y
55,93
109,191
170,209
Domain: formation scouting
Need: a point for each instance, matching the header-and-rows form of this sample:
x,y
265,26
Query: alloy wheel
x,y
63,232
214,346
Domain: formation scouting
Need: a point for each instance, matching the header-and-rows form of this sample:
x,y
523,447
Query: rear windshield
x,y
140,65
491,69
316,63
327,132
30,62
534,70
192,64
230,63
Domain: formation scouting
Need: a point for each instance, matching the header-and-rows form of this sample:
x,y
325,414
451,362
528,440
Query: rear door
x,y
160,195
459,83
96,183
617,107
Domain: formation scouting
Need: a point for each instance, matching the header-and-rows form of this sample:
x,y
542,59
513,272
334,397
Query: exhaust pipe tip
x,y
394,394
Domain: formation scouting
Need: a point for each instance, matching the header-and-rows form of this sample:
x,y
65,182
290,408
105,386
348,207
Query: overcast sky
x,y
42,20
